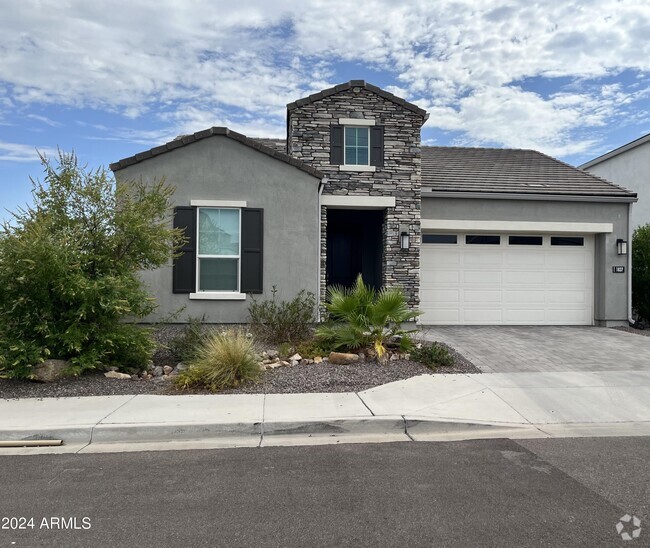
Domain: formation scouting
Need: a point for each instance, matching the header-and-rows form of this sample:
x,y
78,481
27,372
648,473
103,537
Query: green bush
x,y
185,346
69,270
641,272
285,350
312,348
433,355
223,360
289,321
361,317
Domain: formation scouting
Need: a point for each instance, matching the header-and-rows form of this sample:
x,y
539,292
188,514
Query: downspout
x,y
321,187
630,320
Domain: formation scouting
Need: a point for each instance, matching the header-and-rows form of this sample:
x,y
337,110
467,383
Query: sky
x,y
109,79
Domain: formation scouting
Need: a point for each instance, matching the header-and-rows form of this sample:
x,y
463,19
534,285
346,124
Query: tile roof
x,y
495,170
184,140
358,84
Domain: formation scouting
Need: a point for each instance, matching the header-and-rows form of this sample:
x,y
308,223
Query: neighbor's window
x,y
357,146
567,241
219,251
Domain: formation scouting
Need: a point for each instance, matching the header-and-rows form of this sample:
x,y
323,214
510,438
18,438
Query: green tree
x,y
69,269
641,271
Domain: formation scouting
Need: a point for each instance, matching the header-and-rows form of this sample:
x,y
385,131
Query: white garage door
x,y
501,279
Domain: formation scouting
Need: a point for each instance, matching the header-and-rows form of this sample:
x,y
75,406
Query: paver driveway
x,y
500,349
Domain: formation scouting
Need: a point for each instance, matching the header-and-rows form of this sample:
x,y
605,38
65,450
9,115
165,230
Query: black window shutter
x,y
336,145
184,270
252,243
377,145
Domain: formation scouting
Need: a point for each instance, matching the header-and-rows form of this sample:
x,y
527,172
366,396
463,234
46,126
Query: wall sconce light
x,y
404,240
621,247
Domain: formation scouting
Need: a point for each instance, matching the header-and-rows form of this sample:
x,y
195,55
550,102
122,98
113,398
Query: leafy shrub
x,y
433,355
641,272
69,270
222,360
360,317
184,346
290,321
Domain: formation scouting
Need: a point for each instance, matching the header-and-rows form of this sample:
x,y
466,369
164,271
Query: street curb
x,y
158,432
69,434
335,426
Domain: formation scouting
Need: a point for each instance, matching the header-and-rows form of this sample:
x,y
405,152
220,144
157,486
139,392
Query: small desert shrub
x,y
433,355
285,350
223,360
312,348
185,346
290,321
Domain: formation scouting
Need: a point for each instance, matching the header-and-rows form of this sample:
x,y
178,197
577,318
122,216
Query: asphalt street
x,y
474,493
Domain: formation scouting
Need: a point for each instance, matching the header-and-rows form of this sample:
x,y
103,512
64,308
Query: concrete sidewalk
x,y
512,405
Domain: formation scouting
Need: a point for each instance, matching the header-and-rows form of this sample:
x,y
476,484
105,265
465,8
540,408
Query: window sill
x,y
224,296
357,168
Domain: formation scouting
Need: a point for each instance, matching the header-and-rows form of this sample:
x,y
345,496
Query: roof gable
x,y
211,132
358,84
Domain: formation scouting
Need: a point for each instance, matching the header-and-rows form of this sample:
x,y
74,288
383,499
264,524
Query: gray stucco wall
x,y
610,290
219,168
630,169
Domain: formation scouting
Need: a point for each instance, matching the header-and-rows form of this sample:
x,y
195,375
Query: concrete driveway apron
x,y
510,349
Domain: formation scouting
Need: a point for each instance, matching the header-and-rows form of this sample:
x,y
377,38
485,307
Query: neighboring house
x,y
628,165
471,235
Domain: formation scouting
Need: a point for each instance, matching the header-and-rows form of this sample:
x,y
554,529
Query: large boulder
x,y
49,370
341,358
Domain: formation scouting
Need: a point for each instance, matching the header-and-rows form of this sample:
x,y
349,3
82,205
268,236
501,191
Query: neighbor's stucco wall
x,y
610,290
219,168
630,169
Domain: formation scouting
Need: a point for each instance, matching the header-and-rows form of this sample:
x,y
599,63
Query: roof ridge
x,y
616,151
361,84
185,140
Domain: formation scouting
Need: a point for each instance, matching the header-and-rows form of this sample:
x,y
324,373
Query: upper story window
x,y
218,253
357,146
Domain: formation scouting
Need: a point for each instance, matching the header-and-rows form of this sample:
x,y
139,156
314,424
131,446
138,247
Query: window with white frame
x,y
219,249
357,146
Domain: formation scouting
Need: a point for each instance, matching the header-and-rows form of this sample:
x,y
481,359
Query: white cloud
x,y
239,64
16,152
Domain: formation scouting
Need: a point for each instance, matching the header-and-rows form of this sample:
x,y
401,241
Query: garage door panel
x,y
525,259
492,285
483,258
527,296
472,296
523,277
482,277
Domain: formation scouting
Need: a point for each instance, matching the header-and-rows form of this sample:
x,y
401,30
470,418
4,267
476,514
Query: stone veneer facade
x,y
308,139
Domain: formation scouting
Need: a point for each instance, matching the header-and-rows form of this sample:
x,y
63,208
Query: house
x,y
628,165
471,235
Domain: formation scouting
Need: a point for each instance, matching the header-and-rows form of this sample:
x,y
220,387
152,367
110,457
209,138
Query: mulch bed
x,y
323,377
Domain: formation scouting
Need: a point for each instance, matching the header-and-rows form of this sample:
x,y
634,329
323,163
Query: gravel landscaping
x,y
315,377
628,329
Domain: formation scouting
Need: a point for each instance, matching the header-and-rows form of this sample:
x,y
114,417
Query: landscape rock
x,y
318,359
180,366
113,368
158,371
284,363
167,369
362,356
135,377
116,375
294,363
272,354
296,357
341,358
49,370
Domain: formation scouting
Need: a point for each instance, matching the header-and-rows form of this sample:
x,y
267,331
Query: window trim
x,y
345,153
213,294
